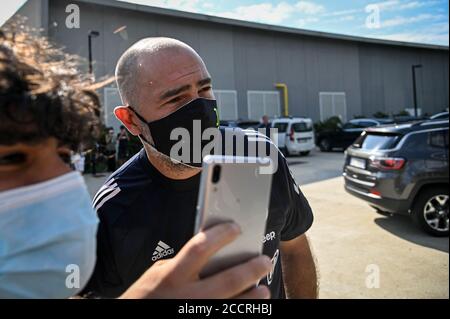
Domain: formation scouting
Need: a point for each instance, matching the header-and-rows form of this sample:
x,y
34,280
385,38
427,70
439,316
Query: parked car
x,y
403,169
440,116
241,123
295,135
344,136
400,119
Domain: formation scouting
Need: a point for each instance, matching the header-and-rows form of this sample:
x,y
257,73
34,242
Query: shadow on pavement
x,y
404,227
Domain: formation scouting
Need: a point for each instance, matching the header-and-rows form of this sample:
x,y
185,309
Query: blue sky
x,y
423,21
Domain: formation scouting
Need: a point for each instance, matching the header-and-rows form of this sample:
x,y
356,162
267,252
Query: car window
x,y
228,123
281,127
437,139
302,127
377,141
367,123
351,125
416,142
247,125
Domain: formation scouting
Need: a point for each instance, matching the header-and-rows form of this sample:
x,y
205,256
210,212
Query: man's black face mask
x,y
193,118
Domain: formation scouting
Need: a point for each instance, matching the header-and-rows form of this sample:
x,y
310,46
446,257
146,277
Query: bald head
x,y
144,62
158,76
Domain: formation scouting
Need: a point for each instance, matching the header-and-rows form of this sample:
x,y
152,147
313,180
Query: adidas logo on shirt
x,y
162,250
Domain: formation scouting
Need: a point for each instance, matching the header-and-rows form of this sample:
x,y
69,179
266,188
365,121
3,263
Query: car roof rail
x,y
434,122
418,123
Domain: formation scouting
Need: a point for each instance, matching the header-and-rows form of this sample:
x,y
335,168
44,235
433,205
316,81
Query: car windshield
x,y
281,127
351,125
302,127
247,125
377,141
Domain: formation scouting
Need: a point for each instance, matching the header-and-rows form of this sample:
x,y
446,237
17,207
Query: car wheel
x,y
288,154
304,153
430,211
325,145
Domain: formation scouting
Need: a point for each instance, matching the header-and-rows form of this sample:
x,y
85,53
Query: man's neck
x,y
168,168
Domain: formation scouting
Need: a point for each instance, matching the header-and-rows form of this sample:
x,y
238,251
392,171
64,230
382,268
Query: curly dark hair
x,y
42,92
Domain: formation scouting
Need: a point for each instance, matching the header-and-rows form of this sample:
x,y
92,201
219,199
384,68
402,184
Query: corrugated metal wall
x,y
373,77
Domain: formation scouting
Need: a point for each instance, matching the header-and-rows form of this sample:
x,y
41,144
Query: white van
x,y
295,135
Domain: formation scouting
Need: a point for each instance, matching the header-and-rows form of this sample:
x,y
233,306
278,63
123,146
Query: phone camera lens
x,y
216,174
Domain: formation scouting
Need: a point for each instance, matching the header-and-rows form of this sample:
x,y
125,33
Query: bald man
x,y
147,207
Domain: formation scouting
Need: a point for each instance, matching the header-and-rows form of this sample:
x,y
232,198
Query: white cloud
x,y
184,5
263,12
439,27
306,21
275,13
435,33
387,5
398,21
347,18
309,8
411,5
207,5
342,12
400,5
417,4
418,37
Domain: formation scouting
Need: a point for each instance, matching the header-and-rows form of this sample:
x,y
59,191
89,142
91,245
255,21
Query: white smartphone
x,y
234,189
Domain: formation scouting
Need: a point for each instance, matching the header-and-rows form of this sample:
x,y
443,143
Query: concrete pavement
x,y
353,243
316,167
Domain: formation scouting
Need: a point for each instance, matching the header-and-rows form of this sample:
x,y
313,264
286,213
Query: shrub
x,y
331,124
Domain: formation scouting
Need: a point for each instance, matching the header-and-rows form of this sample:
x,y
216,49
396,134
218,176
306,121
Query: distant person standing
x,y
77,160
265,124
110,150
122,138
94,156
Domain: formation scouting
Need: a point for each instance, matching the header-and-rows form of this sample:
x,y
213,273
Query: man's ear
x,y
126,116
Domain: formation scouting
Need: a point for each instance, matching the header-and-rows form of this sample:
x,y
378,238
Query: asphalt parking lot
x,y
361,254
317,166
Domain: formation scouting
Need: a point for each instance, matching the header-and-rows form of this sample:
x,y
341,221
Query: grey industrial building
x,y
325,74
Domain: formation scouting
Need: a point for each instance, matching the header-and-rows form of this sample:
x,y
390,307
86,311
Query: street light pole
x,y
414,67
92,34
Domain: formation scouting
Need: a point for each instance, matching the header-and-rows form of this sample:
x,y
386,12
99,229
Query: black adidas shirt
x,y
145,216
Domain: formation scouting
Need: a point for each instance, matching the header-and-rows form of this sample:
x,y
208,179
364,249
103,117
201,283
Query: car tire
x,y
287,153
304,153
325,145
430,211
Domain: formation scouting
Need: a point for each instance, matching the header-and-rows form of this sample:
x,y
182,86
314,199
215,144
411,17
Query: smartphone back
x,y
234,192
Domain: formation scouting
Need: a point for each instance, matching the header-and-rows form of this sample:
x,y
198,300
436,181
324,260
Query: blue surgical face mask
x,y
47,239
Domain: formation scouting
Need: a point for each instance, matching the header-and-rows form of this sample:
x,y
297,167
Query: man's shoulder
x,y
123,187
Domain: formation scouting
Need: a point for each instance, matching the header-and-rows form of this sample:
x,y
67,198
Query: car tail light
x,y
375,192
291,135
388,163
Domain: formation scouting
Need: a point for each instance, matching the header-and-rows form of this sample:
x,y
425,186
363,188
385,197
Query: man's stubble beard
x,y
165,163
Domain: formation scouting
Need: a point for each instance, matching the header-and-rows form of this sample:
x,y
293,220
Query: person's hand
x,y
178,278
